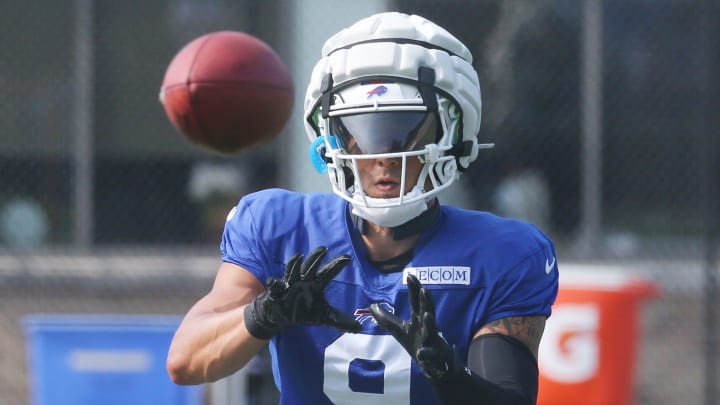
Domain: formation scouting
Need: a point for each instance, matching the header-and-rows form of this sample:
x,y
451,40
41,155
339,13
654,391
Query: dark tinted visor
x,y
386,132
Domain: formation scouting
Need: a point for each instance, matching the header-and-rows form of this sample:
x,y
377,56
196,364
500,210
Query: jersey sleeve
x,y
241,243
528,288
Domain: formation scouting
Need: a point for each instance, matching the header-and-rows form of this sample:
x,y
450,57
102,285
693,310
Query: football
x,y
227,91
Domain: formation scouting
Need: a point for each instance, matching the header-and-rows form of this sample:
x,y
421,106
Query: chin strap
x,y
413,227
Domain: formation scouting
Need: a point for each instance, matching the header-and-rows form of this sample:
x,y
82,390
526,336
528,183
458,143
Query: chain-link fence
x,y
603,114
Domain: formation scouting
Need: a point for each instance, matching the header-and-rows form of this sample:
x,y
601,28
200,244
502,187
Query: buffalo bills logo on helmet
x,y
377,91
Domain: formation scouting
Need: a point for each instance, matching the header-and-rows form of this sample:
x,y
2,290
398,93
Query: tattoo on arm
x,y
527,329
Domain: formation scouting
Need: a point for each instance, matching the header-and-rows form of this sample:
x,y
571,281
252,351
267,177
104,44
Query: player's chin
x,y
381,194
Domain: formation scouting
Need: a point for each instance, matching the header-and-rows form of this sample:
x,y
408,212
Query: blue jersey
x,y
478,267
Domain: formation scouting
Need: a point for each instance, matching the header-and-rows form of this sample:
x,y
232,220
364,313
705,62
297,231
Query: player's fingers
x,y
342,321
422,302
386,320
430,327
310,265
428,300
431,357
413,281
332,268
414,293
292,269
275,286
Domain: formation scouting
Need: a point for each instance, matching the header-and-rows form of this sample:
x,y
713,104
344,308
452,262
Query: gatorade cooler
x,y
589,348
103,359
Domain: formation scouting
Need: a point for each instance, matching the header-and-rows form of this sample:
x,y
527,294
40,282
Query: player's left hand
x,y
420,335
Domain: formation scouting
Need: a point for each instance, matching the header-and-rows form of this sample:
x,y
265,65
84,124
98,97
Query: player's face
x,y
386,133
381,178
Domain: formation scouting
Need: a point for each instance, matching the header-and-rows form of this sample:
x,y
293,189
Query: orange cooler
x,y
589,349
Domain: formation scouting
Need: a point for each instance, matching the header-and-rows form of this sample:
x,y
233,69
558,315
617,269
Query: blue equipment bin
x,y
103,359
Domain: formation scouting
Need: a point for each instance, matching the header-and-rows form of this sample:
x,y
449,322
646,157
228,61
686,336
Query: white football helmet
x,y
394,86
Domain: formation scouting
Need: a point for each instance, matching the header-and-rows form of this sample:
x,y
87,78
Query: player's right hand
x,y
299,298
420,335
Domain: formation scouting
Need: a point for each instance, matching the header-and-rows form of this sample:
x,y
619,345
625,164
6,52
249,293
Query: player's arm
x,y
505,352
502,364
527,330
229,325
212,341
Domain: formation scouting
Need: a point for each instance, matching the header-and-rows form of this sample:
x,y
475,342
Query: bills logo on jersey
x,y
439,275
364,314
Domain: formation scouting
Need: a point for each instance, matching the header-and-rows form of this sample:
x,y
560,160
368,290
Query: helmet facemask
x,y
389,120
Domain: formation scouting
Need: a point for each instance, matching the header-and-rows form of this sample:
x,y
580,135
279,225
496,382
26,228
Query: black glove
x,y
420,335
299,298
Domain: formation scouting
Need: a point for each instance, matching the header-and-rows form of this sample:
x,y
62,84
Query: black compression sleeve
x,y
504,372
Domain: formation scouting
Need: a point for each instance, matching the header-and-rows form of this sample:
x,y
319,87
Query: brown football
x,y
227,91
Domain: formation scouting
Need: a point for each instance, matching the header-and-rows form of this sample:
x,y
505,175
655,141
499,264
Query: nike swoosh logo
x,y
549,265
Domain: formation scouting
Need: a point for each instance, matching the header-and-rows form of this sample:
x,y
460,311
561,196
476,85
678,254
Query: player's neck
x,y
385,243
382,246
